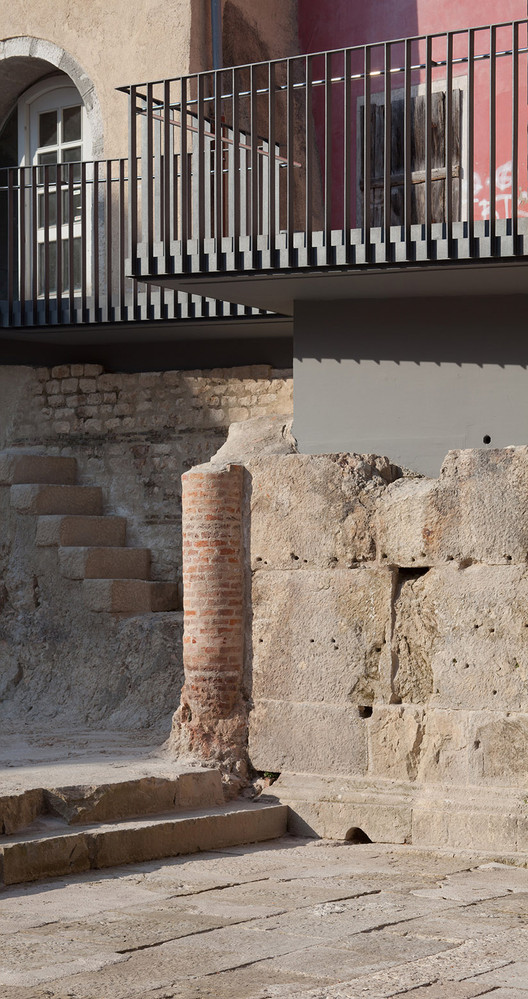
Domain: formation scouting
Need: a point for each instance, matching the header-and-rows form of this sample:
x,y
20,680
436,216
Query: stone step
x,y
111,800
17,467
105,563
131,596
71,531
40,499
53,851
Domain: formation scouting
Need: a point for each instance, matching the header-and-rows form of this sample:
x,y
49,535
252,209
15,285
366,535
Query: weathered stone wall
x,y
133,435
387,641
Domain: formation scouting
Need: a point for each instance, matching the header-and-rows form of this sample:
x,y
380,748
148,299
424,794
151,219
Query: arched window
x,y
54,138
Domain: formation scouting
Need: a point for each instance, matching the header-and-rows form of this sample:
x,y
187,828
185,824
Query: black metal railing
x,y
402,151
64,248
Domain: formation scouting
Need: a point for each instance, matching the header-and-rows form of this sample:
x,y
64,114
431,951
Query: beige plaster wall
x,y
122,42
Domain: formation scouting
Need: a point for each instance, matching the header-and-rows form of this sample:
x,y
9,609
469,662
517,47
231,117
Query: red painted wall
x,y
333,24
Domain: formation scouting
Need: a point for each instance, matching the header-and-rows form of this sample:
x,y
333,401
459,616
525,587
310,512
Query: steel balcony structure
x,y
390,168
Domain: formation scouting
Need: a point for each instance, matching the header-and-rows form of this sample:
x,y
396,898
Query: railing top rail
x,y
129,88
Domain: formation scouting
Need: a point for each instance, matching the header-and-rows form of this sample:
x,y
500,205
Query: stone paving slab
x,y
293,918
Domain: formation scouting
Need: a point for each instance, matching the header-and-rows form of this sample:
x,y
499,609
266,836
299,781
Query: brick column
x,y
211,722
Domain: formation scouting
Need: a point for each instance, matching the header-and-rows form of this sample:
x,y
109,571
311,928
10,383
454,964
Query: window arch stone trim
x,y
25,49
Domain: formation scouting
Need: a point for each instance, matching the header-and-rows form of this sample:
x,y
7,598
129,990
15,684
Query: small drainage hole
x,y
356,835
486,439
365,711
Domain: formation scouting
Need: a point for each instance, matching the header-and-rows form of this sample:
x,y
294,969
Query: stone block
x,y
47,857
17,467
131,596
19,810
314,511
321,636
81,531
499,749
307,738
476,510
395,738
57,499
473,637
105,563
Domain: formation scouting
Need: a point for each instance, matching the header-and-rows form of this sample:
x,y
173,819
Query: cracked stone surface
x,y
300,918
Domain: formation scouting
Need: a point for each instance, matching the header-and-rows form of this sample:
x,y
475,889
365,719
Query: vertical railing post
x,y
367,164
347,164
11,243
168,176
471,141
34,247
449,145
132,182
407,150
428,143
290,157
493,138
46,247
108,239
58,241
71,259
253,227
328,160
387,154
272,187
308,175
21,248
235,185
184,178
515,138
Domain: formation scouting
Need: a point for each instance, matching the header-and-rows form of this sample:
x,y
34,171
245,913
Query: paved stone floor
x,y
303,918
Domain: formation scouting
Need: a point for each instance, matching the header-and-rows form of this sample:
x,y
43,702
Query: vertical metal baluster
x,y
46,247
308,175
387,154
515,137
428,143
449,145
493,138
290,156
109,247
148,172
58,242
347,164
236,166
21,248
367,165
218,167
34,242
407,151
272,192
167,169
132,193
184,177
84,252
471,141
122,233
328,160
11,243
202,173
95,244
71,296
253,167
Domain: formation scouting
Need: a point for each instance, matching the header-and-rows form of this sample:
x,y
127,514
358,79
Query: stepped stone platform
x,y
115,805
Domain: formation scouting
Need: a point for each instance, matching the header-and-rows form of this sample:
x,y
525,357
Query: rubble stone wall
x,y
133,435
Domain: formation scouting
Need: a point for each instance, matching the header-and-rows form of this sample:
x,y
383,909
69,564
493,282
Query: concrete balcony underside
x,y
452,263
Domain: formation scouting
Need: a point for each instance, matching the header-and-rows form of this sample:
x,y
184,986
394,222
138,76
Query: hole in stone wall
x,y
356,835
365,711
412,573
486,439
476,744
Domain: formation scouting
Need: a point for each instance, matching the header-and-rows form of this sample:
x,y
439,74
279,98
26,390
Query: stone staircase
x,y
91,545
50,832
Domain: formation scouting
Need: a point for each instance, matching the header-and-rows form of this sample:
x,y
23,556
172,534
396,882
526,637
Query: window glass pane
x,y
48,128
76,200
52,210
73,155
45,159
52,268
71,124
66,264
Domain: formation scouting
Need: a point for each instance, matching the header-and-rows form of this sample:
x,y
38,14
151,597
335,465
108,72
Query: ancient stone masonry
x,y
386,656
132,436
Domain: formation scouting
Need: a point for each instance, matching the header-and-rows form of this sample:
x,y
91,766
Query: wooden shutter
x,y
439,175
